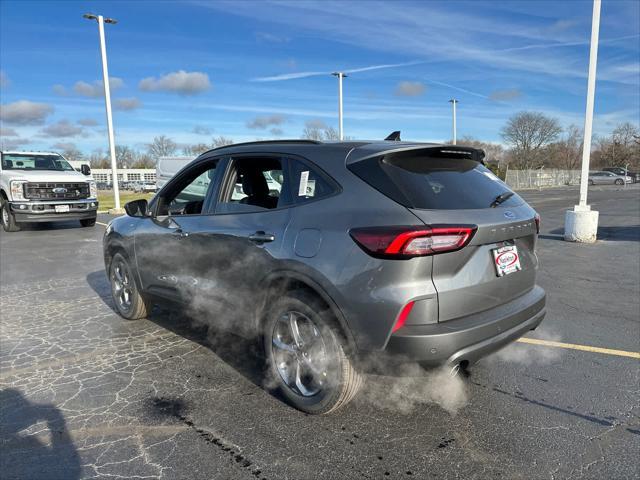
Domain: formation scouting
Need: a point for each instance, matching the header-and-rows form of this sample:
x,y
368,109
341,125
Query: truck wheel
x,y
305,355
8,220
124,290
88,222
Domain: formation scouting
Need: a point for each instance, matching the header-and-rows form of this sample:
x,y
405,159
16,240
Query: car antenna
x,y
394,136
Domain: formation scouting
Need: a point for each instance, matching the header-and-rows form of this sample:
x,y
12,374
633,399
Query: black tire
x,y
7,218
88,222
339,380
128,301
590,182
619,181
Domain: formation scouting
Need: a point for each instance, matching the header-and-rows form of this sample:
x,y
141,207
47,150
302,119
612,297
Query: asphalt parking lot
x,y
85,394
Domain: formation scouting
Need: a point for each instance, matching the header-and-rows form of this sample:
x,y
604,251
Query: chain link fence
x,y
541,178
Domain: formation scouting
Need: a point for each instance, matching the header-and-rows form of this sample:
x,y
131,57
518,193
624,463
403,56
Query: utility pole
x,y
107,101
340,76
581,223
453,103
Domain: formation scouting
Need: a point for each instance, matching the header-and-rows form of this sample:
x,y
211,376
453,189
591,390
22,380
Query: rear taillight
x,y
537,220
412,241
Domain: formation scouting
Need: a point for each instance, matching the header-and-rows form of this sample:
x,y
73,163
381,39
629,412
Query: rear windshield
x,y
441,181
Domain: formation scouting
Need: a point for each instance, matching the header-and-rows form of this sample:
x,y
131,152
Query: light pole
x,y
453,103
107,101
340,76
581,223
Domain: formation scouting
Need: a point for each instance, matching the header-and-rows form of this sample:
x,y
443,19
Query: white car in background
x,y
608,178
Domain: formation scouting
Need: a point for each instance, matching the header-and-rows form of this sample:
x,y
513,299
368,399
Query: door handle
x,y
178,232
262,237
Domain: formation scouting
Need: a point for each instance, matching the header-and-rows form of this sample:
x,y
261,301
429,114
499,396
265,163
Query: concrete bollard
x,y
581,224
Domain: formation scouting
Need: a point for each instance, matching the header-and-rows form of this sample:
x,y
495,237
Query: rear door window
x,y
435,179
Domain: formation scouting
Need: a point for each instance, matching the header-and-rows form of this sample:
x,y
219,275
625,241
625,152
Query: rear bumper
x,y
45,211
468,339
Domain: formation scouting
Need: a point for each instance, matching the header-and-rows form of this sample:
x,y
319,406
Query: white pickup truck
x,y
44,187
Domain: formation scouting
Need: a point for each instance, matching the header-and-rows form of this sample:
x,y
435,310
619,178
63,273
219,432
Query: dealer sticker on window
x,y
506,260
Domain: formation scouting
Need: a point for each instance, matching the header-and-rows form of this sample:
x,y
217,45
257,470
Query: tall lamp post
x,y
340,76
453,103
107,101
581,223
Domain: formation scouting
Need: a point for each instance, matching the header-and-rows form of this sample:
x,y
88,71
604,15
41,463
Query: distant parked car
x,y
141,187
624,172
608,178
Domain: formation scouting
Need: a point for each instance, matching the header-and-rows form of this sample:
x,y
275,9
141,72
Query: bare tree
x,y
196,149
143,160
98,159
73,154
566,153
621,148
221,141
528,133
494,152
161,146
124,156
318,130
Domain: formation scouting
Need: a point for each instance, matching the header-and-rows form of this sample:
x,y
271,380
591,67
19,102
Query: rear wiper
x,y
501,198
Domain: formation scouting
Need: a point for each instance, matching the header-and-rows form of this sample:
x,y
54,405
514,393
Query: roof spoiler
x,y
393,137
476,154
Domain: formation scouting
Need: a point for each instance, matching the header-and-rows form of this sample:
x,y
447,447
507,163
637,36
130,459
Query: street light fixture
x,y
340,76
453,103
107,101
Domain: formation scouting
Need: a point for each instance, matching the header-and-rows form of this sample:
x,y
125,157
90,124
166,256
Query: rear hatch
x,y
449,185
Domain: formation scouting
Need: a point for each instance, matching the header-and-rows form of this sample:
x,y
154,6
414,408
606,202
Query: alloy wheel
x,y
300,354
122,286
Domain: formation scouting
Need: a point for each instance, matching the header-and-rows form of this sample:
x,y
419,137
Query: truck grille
x,y
56,191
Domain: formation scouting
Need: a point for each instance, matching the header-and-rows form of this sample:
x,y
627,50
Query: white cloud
x,y
202,130
64,146
271,38
410,89
87,122
63,128
8,132
127,104
24,112
262,122
504,95
59,90
180,82
4,80
96,89
13,143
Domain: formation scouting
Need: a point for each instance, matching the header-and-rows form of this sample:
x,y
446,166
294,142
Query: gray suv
x,y
333,253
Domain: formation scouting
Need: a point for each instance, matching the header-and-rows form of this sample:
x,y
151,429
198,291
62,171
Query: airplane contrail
x,y
295,75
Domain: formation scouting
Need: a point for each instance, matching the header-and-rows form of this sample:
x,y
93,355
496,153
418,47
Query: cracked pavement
x,y
86,394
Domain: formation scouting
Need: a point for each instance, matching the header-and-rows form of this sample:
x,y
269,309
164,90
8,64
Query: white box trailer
x,y
167,167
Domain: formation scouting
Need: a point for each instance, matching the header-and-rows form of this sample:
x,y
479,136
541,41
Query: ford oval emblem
x,y
59,190
509,214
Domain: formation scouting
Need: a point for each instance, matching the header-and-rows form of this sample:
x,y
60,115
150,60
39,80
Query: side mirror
x,y
85,169
137,208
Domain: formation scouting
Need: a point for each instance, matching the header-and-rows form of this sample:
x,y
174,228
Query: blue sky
x,y
248,70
